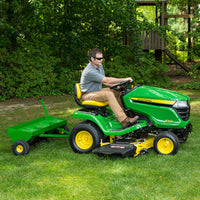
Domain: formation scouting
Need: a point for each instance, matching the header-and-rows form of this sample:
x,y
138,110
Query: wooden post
x,y
158,52
189,38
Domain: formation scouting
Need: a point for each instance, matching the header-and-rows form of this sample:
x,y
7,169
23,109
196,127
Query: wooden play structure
x,y
152,40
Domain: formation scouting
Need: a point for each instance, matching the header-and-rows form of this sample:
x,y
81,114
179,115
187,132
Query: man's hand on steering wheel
x,y
121,86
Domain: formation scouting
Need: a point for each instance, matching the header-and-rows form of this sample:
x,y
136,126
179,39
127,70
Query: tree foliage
x,y
44,43
190,36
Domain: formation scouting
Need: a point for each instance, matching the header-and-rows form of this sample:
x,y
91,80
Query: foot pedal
x,y
116,149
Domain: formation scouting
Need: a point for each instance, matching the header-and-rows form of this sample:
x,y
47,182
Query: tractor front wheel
x,y
84,138
20,147
166,143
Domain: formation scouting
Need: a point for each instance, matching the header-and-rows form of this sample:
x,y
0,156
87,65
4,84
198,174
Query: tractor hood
x,y
164,108
156,95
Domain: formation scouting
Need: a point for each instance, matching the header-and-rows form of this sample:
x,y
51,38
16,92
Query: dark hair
x,y
93,52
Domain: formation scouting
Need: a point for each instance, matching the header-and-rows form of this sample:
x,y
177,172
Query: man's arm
x,y
110,81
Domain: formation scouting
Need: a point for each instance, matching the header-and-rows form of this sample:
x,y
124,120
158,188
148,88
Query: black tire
x,y
20,147
103,137
166,143
84,138
100,133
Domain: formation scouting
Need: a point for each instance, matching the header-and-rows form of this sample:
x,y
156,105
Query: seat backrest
x,y
77,93
78,90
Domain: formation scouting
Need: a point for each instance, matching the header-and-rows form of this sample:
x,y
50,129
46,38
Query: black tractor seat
x,y
88,104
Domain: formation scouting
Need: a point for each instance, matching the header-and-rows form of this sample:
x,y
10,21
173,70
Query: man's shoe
x,y
129,121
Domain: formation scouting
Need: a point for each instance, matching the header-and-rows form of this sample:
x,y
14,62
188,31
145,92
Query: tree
x,y
193,27
44,44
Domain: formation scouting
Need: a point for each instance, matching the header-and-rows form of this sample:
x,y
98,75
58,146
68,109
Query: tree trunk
x,y
189,58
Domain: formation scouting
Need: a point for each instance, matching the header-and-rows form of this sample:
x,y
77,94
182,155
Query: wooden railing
x,y
152,41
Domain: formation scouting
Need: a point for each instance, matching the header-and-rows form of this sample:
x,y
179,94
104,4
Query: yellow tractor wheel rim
x,y
165,146
19,148
84,140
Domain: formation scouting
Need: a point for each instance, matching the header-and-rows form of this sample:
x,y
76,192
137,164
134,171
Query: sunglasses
x,y
99,58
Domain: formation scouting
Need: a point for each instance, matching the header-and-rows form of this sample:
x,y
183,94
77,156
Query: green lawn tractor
x,y
163,122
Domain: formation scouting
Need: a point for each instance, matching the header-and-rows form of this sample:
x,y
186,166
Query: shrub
x,y
147,71
195,73
67,79
196,50
195,85
31,71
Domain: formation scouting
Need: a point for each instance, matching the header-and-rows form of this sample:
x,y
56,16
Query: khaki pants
x,y
107,94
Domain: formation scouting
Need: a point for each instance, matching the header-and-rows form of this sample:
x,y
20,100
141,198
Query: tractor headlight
x,y
181,104
183,109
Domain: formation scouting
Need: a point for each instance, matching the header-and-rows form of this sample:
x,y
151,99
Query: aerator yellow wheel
x,y
166,143
20,147
84,138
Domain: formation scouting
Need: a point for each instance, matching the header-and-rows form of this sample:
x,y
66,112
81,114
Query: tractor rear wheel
x,y
166,143
84,138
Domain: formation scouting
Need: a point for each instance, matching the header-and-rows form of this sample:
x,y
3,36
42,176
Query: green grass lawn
x,y
53,171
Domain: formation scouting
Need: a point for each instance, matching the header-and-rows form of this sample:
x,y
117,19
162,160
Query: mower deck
x,y
116,149
126,147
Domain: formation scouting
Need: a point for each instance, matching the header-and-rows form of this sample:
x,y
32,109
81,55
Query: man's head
x,y
96,57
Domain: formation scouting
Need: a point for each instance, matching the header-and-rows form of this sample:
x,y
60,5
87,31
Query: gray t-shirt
x,y
91,78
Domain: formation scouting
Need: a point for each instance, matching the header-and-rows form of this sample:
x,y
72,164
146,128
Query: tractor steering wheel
x,y
121,86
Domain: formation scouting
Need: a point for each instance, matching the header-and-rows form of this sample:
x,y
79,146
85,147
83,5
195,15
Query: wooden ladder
x,y
178,62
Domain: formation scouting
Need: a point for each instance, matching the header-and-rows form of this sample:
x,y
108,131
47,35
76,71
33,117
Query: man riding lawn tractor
x,y
146,116
91,82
